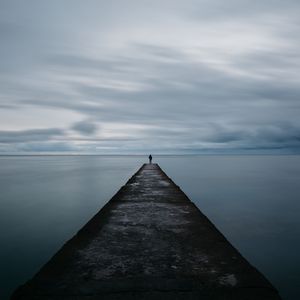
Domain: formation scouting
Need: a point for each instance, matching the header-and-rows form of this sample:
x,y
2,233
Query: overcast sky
x,y
137,76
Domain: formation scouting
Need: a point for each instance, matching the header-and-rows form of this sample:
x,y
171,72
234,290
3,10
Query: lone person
x,y
150,159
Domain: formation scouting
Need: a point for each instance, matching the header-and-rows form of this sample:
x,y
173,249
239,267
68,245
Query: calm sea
x,y
253,200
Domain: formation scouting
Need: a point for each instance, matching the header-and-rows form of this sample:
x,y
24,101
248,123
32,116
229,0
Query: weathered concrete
x,y
149,242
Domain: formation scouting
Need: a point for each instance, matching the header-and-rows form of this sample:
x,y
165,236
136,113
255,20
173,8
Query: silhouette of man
x,y
150,159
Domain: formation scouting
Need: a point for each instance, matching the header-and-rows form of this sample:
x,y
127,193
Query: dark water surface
x,y
253,200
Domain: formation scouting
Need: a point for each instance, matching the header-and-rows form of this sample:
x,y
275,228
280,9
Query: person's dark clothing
x,y
150,158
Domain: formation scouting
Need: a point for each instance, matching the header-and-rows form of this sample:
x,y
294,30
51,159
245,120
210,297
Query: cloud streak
x,y
8,137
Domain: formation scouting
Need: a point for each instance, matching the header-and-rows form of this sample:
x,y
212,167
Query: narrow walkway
x,y
149,242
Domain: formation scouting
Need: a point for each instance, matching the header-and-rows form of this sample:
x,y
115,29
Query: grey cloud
x,y
8,106
85,127
101,140
229,9
280,136
29,135
83,63
284,135
9,30
222,135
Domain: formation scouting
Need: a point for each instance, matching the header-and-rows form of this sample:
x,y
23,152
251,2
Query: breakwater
x,y
148,242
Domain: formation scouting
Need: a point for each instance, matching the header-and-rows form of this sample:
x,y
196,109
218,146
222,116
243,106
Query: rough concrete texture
x,y
148,242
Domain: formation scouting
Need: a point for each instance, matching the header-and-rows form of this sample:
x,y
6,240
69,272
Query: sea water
x,y
253,200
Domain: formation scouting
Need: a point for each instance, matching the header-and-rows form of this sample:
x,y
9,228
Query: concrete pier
x,y
148,242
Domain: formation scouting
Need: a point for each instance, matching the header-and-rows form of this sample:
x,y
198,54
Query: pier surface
x,y
148,242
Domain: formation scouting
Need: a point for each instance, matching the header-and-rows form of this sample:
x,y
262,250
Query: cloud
x,y
188,102
85,127
192,76
8,137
